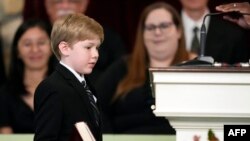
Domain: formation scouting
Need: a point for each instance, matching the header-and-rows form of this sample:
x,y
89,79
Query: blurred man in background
x,y
225,41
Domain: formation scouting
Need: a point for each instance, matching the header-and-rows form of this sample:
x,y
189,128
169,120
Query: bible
x,y
82,132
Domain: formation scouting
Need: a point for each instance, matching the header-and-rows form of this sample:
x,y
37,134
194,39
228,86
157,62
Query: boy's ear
x,y
64,48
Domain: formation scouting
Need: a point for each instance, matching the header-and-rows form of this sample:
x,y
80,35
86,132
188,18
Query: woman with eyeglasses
x,y
125,91
31,62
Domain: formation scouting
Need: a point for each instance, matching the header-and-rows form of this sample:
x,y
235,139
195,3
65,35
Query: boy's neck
x,y
79,76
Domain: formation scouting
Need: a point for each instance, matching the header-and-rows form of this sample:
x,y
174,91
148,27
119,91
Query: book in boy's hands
x,y
82,132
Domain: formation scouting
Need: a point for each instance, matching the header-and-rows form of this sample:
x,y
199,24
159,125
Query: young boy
x,y
63,98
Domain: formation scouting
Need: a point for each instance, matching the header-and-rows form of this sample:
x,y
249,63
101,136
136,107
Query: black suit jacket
x,y
226,42
60,101
2,66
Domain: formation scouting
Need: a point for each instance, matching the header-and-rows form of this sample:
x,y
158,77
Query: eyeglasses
x,y
162,26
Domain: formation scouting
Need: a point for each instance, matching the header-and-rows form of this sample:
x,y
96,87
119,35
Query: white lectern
x,y
196,99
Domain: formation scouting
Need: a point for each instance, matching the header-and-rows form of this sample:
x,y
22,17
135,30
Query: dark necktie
x,y
92,103
195,45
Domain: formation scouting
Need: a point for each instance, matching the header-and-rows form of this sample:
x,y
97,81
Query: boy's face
x,y
83,55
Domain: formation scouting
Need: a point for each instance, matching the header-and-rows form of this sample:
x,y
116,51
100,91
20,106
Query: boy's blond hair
x,y
73,28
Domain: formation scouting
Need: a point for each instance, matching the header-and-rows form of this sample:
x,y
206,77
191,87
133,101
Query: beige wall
x,y
11,6
10,19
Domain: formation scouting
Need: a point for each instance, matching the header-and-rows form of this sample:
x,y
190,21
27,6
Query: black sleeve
x,y
48,113
242,47
2,66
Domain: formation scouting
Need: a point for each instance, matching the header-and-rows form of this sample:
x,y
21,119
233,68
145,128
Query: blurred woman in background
x,y
125,91
31,62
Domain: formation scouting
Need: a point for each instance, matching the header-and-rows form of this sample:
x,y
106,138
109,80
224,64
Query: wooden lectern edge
x,y
200,69
199,115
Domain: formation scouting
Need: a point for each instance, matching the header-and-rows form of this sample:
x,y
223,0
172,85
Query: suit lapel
x,y
74,82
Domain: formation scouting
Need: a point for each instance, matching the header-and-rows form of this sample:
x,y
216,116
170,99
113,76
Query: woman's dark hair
x,y
15,82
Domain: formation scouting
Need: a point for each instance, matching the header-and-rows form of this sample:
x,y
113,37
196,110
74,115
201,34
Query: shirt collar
x,y
190,23
77,75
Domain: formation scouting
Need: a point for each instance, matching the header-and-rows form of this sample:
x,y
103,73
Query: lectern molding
x,y
196,99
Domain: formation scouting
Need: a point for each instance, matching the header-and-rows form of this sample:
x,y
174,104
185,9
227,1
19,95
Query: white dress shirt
x,y
189,25
77,75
